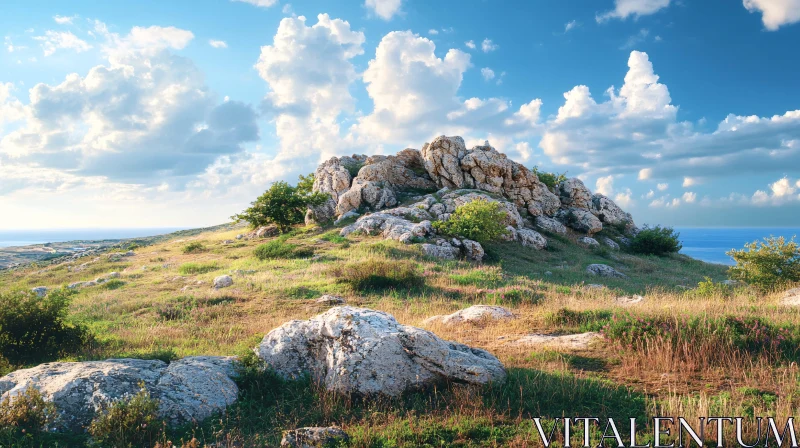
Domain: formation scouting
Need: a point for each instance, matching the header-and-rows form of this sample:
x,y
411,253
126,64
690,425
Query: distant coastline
x,y
19,238
709,244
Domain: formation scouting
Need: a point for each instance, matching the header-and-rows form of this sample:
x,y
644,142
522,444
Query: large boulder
x,y
332,177
550,225
444,251
188,390
406,170
472,315
573,193
360,351
609,212
374,195
580,220
389,227
531,238
442,160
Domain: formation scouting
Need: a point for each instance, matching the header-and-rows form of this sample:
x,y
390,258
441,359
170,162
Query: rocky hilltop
x,y
398,197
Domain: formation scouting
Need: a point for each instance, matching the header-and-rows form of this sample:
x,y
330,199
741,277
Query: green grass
x,y
377,274
278,248
193,268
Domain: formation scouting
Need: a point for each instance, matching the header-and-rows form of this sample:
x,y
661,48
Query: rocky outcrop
x,y
579,219
573,193
332,177
609,213
188,390
531,238
455,199
550,225
442,159
389,227
314,437
603,270
585,241
472,315
40,291
366,352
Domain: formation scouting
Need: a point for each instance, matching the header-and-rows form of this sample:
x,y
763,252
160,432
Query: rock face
x,y
573,193
314,437
223,281
609,213
610,243
332,177
602,270
550,225
191,389
472,315
366,352
579,219
389,227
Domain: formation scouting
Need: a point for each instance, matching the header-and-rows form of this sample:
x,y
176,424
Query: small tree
x,y
767,264
283,204
478,220
656,241
549,179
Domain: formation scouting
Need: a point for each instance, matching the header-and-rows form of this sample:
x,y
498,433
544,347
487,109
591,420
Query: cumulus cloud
x,y
218,43
662,187
605,185
488,46
53,41
144,117
64,20
487,73
385,9
571,25
11,109
775,13
470,44
689,182
780,192
633,8
625,199
309,70
259,3
689,197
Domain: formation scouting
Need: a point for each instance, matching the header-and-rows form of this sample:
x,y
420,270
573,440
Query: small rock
x,y
585,241
473,314
629,300
314,437
226,242
610,243
446,252
550,225
239,236
473,250
330,299
595,286
223,281
531,238
75,285
129,253
40,291
574,341
603,270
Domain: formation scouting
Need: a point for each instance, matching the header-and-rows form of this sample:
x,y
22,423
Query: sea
x,y
703,243
9,238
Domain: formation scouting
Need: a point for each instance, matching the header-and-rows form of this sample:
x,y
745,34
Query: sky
x,y
158,114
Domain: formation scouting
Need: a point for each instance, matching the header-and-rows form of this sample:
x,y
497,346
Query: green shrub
x,y
28,413
197,268
549,179
193,248
708,288
480,220
282,205
35,329
656,241
375,274
334,237
588,320
131,422
354,168
767,264
281,249
112,284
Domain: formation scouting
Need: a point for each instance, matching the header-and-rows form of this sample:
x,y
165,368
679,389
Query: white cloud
x,y
780,192
650,194
433,31
64,20
605,185
636,39
645,173
689,197
570,26
470,44
487,45
662,187
10,47
523,151
11,109
309,71
53,41
218,43
636,8
487,73
528,113
775,13
689,182
385,9
259,3
625,199
287,8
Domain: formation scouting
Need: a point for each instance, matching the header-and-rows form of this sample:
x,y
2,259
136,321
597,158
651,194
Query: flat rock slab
x,y
366,352
474,314
190,389
629,300
573,341
791,297
604,270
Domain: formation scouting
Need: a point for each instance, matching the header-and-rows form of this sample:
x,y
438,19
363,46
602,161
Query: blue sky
x,y
150,113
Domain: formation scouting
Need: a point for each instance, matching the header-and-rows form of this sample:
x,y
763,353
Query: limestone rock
x,y
629,300
223,281
349,215
406,170
573,341
266,231
550,225
585,241
580,220
603,270
314,437
531,238
610,243
608,212
40,291
442,159
791,297
332,177
472,250
75,285
330,299
190,389
474,314
573,193
445,251
367,352
389,227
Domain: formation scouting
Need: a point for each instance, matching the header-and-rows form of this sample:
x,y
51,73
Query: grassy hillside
x,y
683,351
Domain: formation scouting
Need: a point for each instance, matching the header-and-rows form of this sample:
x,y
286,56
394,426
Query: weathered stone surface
x,y
334,178
608,212
352,214
266,231
190,389
366,352
603,270
531,238
389,227
40,291
550,225
75,285
573,341
223,281
791,297
330,299
610,243
457,198
442,160
444,251
314,437
472,250
585,241
367,194
580,220
573,193
472,315
629,300
406,170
